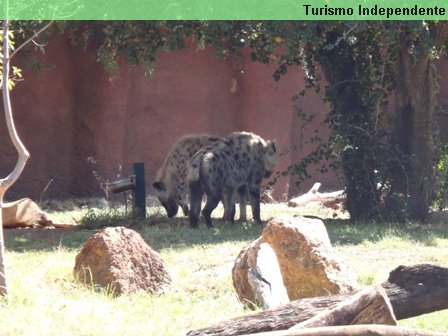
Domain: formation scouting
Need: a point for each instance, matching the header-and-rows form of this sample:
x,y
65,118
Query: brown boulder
x,y
307,262
118,258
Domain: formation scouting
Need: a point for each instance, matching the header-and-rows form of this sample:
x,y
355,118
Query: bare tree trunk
x,y
23,154
413,173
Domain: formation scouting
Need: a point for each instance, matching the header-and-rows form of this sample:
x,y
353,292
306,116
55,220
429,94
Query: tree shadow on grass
x,y
178,234
344,232
161,232
164,233
38,239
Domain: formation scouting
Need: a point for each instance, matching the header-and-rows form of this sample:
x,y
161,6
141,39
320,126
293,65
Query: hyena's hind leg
x,y
210,205
228,200
196,193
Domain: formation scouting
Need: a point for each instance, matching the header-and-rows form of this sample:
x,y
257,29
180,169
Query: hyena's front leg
x,y
254,194
181,197
242,197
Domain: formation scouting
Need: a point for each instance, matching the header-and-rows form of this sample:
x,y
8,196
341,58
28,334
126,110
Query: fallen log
x,y
417,290
407,288
51,225
329,199
353,330
369,306
279,318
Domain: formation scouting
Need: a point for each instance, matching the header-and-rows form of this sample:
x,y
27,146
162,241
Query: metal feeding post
x,y
135,183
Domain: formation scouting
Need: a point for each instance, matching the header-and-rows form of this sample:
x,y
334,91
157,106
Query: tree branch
x,y
21,150
31,38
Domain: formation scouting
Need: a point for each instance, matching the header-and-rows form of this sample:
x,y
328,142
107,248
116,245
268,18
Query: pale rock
x,y
293,254
309,264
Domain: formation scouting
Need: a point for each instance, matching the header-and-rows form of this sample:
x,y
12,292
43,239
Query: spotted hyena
x,y
170,184
240,160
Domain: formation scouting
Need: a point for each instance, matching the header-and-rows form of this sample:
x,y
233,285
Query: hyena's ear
x,y
159,186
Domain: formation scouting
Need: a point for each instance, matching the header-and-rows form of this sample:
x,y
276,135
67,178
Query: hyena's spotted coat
x,y
170,186
237,161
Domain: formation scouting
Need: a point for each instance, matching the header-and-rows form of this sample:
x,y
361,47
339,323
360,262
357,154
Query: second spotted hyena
x,y
170,184
240,160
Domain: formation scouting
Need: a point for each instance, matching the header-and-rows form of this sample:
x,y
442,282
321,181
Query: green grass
x,y
45,299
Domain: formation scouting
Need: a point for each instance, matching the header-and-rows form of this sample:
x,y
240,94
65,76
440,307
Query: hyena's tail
x,y
194,167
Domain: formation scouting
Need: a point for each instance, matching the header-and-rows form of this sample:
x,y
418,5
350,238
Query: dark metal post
x,y
139,199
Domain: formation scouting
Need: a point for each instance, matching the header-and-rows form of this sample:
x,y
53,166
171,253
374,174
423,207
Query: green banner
x,y
223,10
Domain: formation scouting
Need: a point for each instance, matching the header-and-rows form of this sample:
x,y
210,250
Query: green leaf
x,y
17,71
10,84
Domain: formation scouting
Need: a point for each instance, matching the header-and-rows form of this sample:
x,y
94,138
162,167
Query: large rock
x,y
308,264
118,258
